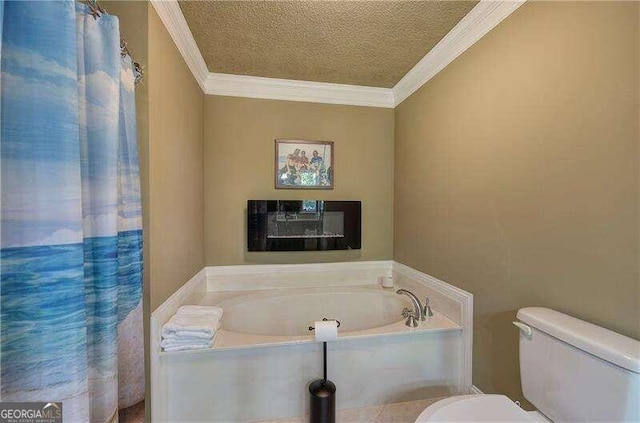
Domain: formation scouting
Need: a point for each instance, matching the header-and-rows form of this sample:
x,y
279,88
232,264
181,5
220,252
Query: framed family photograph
x,y
304,164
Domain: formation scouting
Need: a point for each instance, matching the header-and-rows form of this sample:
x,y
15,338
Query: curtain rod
x,y
96,10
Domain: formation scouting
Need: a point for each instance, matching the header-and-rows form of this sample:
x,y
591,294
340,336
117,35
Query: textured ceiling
x,y
370,43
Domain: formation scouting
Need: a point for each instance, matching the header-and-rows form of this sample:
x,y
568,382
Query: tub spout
x,y
417,306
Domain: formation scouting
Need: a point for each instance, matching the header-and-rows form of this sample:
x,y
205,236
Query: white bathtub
x,y
290,312
264,355
283,316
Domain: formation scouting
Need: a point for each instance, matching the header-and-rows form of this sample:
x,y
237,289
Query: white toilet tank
x,y
574,371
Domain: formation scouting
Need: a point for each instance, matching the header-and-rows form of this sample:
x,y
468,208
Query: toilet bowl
x,y
478,408
571,371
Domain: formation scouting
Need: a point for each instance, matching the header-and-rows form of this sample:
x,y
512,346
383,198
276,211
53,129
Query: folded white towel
x,y
201,310
182,334
186,347
201,325
173,343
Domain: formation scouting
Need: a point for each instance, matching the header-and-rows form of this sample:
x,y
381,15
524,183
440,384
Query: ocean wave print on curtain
x,y
71,239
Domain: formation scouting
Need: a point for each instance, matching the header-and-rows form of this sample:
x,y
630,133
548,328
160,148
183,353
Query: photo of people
x,y
304,164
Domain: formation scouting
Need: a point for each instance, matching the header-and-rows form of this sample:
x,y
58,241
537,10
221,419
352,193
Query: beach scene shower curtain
x,y
71,239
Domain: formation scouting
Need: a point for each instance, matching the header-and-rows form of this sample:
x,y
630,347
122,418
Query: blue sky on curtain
x,y
71,241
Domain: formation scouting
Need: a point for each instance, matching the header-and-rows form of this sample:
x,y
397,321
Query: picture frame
x,y
304,164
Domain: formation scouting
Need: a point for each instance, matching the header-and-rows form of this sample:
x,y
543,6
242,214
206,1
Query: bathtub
x,y
283,316
289,312
264,355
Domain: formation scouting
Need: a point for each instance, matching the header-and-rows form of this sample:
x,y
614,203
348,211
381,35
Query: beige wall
x,y
175,192
133,18
516,171
516,175
169,107
239,161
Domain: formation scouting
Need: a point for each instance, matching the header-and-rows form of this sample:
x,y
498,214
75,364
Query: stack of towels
x,y
191,328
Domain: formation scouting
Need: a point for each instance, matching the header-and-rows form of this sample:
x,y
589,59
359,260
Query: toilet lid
x,y
475,408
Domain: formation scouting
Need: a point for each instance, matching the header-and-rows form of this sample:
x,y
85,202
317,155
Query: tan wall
x,y
175,197
516,175
239,165
133,17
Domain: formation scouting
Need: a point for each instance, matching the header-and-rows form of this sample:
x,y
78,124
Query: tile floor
x,y
400,412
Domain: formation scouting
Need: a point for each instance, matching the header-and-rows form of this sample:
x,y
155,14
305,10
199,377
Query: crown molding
x,y
292,90
173,19
475,25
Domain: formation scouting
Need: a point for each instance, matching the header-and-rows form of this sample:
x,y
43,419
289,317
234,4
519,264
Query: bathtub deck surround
x,y
291,310
264,349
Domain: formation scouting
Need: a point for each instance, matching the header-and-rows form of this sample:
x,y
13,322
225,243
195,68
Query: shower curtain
x,y
71,239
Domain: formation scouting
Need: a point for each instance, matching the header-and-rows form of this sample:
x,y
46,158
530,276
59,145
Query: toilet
x,y
571,371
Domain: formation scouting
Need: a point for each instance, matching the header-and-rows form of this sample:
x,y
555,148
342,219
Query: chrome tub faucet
x,y
418,312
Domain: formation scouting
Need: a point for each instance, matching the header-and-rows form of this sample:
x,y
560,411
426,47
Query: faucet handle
x,y
412,319
411,322
427,312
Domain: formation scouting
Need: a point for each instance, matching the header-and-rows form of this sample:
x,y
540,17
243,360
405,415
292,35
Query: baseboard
x,y
475,390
